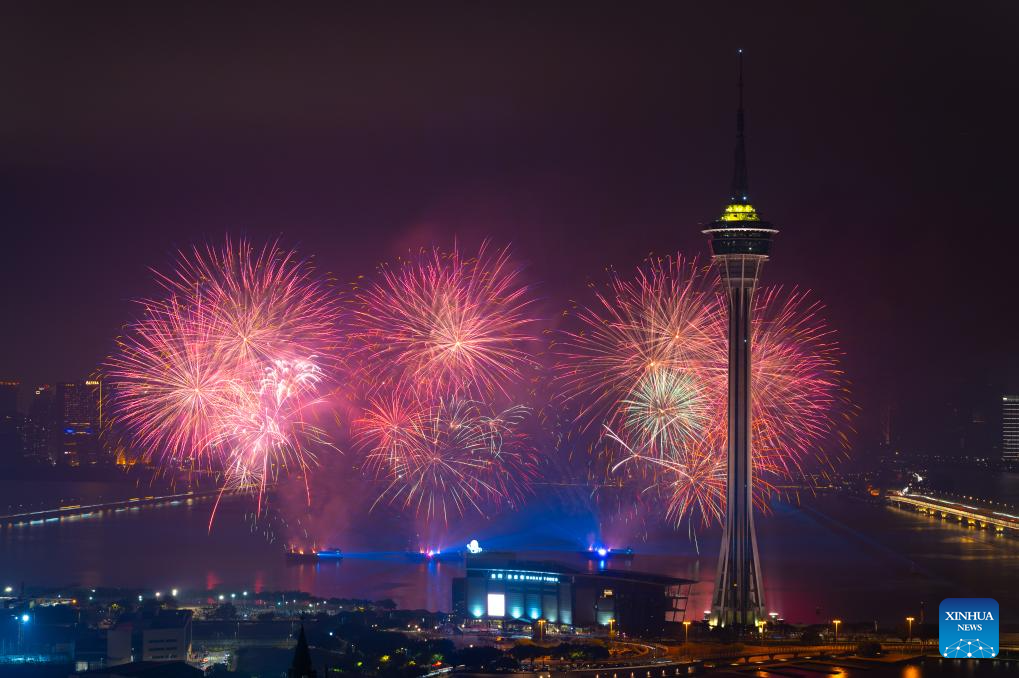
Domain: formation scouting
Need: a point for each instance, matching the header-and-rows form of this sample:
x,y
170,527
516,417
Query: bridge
x,y
83,510
968,514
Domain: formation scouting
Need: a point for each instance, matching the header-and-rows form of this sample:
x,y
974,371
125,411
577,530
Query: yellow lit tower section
x,y
740,243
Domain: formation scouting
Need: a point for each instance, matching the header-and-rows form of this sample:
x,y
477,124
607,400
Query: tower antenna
x,y
740,184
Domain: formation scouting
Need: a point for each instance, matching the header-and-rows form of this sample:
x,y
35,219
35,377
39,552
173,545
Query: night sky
x,y
881,141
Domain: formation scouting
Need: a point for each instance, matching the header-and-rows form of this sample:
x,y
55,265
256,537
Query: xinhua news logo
x,y
968,628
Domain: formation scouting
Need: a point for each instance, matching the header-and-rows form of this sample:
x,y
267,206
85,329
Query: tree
x,y
478,657
525,652
224,611
810,638
869,649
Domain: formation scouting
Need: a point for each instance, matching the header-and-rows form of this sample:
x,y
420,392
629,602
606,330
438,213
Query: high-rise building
x,y
740,244
11,424
79,408
39,433
9,398
1010,428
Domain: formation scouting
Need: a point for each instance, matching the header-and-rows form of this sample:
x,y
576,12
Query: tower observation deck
x,y
740,244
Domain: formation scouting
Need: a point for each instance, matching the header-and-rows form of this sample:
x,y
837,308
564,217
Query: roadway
x,y
82,510
970,514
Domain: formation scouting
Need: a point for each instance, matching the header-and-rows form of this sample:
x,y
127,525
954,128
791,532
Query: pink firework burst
x,y
446,457
261,304
651,365
222,372
446,322
666,318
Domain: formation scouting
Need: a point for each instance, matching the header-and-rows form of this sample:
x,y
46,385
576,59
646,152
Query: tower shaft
x,y
738,600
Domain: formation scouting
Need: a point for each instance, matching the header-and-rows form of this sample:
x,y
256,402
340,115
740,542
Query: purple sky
x,y
881,143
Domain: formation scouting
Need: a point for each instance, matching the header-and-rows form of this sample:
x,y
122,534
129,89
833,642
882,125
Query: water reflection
x,y
832,557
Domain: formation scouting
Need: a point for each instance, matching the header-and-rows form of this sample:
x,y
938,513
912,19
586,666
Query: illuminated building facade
x,y
497,589
80,414
740,244
1010,428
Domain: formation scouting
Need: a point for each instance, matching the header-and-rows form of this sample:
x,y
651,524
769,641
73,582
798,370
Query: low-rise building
x,y
499,589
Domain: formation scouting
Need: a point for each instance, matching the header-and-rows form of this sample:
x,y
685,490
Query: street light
x,y
21,630
612,628
686,632
836,622
909,635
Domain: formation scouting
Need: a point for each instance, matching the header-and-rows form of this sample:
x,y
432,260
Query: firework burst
x,y
446,323
222,372
651,366
448,457
667,408
664,319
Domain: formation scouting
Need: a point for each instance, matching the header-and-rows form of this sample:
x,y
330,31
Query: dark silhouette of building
x,y
161,637
301,666
39,431
740,244
11,424
9,397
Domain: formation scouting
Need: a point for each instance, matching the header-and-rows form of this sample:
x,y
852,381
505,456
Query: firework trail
x,y
266,430
445,458
220,374
446,323
651,366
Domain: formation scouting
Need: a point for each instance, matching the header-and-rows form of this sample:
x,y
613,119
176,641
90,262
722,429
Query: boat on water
x,y
433,555
603,553
297,555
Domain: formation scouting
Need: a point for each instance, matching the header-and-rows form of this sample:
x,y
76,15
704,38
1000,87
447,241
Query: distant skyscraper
x,y
11,424
1010,428
80,421
39,435
9,398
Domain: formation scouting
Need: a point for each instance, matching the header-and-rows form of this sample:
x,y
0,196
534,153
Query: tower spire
x,y
740,185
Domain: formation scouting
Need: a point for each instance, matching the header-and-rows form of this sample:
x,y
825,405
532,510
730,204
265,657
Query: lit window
x,y
496,605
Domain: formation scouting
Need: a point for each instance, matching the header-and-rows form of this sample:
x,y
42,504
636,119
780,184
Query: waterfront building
x,y
1010,428
499,589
